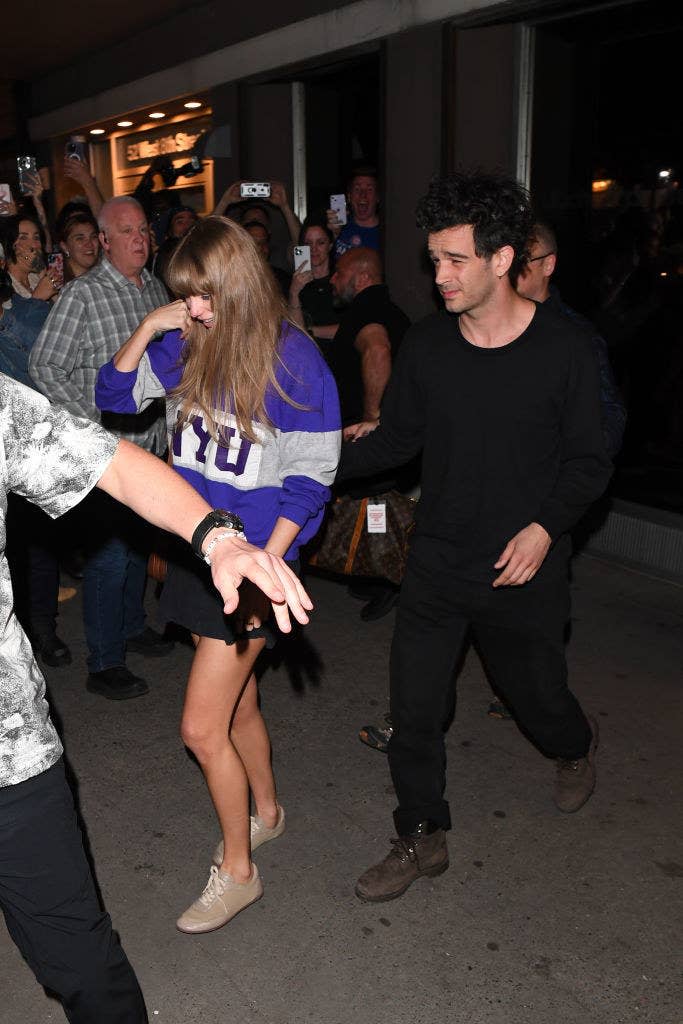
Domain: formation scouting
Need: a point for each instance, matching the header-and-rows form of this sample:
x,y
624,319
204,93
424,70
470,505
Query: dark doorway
x,y
342,125
606,166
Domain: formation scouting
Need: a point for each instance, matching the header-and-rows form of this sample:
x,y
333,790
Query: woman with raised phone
x,y
255,421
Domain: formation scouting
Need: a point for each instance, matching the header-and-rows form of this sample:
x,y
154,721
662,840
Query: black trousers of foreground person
x,y
520,634
48,897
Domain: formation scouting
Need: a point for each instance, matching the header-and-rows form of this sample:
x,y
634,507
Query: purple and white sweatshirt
x,y
288,473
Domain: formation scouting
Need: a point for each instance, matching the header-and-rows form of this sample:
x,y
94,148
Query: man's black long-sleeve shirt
x,y
509,435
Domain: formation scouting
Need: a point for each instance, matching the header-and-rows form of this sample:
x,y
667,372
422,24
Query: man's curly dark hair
x,y
497,207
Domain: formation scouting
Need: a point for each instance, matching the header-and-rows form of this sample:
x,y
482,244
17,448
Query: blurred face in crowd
x,y
343,281
534,280
81,247
260,236
363,200
199,307
28,242
125,239
181,223
320,247
466,281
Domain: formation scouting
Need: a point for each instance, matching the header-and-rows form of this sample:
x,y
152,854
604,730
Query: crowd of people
x,y
170,338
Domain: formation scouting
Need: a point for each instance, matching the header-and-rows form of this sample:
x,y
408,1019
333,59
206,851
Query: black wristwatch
x,y
217,517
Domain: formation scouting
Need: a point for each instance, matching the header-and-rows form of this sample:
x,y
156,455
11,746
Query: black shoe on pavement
x,y
380,605
117,683
53,651
149,644
423,853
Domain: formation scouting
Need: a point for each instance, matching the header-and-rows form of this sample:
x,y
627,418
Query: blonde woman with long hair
x,y
256,430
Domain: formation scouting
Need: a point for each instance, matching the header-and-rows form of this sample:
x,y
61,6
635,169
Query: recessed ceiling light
x,y
157,114
97,131
125,124
192,104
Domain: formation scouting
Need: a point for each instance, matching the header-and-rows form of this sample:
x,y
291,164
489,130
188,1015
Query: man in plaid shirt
x,y
94,315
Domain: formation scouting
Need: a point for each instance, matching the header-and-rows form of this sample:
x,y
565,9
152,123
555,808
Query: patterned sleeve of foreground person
x,y
55,459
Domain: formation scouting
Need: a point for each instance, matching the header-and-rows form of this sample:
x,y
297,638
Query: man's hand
x,y
355,431
523,556
333,224
234,560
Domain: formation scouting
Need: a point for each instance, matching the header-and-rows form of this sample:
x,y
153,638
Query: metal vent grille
x,y
634,537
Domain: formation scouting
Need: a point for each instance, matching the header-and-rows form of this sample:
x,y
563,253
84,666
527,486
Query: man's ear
x,y
549,264
502,260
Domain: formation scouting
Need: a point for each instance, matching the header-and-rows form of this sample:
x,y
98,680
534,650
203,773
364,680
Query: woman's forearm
x,y
283,536
131,352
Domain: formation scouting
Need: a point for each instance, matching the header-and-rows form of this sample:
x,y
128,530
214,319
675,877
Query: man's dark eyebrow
x,y
453,255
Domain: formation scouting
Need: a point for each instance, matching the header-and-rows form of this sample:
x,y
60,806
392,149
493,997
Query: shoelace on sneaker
x,y
214,888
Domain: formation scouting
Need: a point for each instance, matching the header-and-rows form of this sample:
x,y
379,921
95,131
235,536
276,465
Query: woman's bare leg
x,y
250,738
217,678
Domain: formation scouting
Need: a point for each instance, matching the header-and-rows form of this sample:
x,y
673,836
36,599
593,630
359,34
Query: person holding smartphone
x,y
311,300
23,241
256,428
362,228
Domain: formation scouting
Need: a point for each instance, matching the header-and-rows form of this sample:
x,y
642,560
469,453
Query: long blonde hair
x,y
230,366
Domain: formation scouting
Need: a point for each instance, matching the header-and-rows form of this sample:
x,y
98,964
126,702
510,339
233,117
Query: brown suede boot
x,y
575,780
411,857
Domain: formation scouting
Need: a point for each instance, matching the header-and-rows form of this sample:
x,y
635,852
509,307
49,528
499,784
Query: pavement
x,y
541,919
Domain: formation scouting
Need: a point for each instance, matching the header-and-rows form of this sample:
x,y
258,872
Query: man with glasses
x,y
534,283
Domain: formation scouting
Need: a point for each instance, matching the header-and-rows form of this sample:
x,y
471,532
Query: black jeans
x,y
520,633
48,897
32,552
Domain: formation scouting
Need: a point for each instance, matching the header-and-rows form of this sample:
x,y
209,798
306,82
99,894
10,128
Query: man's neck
x,y
367,222
134,276
499,321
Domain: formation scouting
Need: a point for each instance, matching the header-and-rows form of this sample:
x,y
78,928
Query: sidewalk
x,y
541,919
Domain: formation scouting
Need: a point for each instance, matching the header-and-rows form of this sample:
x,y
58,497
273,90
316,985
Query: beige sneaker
x,y
258,832
221,900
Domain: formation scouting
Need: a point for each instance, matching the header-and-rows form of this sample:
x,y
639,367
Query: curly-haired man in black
x,y
501,396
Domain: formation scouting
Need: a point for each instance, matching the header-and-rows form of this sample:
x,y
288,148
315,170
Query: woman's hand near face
x,y
172,317
47,287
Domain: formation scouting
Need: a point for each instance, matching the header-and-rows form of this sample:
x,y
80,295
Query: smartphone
x,y
302,257
75,149
26,167
255,190
5,194
56,260
338,204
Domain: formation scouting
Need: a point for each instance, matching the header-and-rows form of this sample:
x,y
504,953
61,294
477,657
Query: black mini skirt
x,y
190,599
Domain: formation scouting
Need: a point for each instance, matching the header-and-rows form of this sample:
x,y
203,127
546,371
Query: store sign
x,y
138,148
147,149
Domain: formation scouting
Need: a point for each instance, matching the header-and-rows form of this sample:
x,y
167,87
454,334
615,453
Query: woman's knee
x,y
202,738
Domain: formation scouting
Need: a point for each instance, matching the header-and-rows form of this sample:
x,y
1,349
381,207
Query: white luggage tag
x,y
377,518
